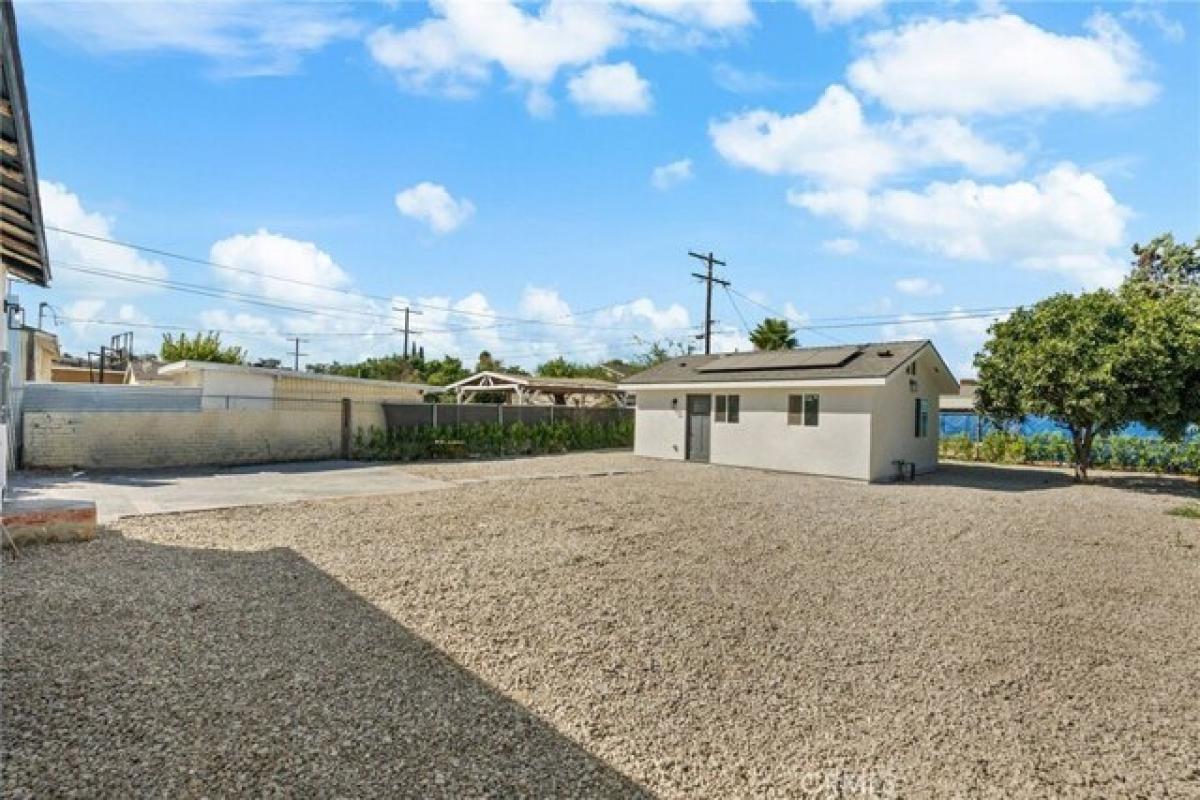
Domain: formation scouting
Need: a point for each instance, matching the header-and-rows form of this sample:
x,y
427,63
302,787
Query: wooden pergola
x,y
529,389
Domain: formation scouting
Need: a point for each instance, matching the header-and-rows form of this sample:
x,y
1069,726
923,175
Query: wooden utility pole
x,y
407,330
297,353
709,280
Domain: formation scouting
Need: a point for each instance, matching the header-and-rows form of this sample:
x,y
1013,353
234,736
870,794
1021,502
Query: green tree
x,y
201,347
560,367
1162,296
773,334
446,371
1065,358
1164,265
488,363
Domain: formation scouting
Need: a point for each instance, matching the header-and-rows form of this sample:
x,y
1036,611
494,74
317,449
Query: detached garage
x,y
866,411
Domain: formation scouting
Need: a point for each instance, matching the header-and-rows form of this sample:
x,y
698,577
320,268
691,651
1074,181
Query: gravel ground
x,y
684,631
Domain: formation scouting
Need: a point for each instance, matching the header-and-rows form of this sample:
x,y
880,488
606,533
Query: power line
x,y
783,315
323,287
741,316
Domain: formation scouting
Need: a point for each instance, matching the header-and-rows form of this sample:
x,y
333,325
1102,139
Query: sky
x,y
530,178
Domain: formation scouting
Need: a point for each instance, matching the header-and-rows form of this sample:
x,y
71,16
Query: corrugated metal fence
x,y
99,397
425,415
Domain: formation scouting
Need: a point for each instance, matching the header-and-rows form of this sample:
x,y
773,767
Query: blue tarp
x,y
957,424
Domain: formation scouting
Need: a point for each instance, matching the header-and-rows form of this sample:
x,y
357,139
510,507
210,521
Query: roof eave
x,y
20,109
790,383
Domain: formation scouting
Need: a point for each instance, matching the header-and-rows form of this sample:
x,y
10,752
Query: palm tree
x,y
773,334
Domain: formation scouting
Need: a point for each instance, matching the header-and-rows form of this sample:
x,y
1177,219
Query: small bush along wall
x,y
1110,452
490,439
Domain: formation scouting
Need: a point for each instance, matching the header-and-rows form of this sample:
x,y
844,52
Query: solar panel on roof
x,y
823,358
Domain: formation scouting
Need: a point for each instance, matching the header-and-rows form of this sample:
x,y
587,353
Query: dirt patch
x,y
690,631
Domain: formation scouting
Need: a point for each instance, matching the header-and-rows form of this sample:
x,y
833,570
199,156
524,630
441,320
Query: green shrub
x,y
490,439
1109,452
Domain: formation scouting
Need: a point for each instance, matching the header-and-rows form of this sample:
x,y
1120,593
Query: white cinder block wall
x,y
136,440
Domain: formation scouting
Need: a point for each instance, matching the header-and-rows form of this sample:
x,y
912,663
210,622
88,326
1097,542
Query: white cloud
x,y
742,81
918,287
673,174
240,37
262,257
794,314
1064,221
88,321
62,208
432,204
668,319
840,247
610,89
959,331
833,144
1001,64
455,51
543,304
711,14
836,12
1147,14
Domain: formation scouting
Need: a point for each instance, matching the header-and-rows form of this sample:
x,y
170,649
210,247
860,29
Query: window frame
x,y
800,418
921,418
727,409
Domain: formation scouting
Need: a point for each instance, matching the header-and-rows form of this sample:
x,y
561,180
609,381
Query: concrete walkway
x,y
165,491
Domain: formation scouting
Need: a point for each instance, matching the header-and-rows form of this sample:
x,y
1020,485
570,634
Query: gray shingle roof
x,y
871,360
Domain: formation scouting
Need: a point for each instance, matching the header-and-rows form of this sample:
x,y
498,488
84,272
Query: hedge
x,y
490,439
1108,452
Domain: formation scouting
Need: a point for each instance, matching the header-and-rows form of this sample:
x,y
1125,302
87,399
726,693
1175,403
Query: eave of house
x,y
23,239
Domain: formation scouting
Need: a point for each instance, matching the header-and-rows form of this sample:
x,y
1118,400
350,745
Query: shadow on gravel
x,y
1028,479
185,672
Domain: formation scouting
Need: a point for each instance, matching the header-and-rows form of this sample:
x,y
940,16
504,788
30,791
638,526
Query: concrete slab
x,y
125,494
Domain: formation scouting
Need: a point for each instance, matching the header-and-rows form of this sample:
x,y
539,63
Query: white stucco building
x,y
853,411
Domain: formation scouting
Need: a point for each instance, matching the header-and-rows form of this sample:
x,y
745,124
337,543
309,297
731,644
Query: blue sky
x,y
511,169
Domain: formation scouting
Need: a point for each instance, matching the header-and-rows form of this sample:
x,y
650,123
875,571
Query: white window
x,y
804,409
727,407
921,418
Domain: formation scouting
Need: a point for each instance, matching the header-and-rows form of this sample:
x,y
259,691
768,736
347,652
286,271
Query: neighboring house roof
x,y
964,401
22,239
858,364
178,367
144,370
501,381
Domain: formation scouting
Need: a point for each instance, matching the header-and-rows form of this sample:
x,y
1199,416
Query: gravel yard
x,y
677,631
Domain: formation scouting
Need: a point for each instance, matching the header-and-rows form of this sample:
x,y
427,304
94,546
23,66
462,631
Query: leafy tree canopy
x,y
201,347
773,334
1097,361
1163,300
396,367
1165,265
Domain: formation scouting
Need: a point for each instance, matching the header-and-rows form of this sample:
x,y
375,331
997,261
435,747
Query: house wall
x,y
839,445
137,440
894,421
658,429
233,390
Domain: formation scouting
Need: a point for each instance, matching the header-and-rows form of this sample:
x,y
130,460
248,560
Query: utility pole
x,y
709,280
296,354
407,330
